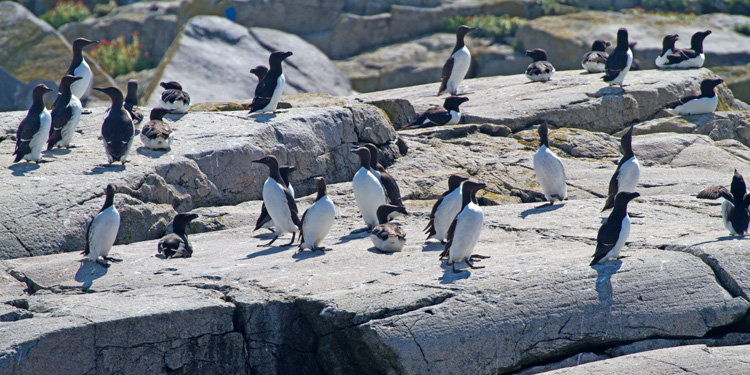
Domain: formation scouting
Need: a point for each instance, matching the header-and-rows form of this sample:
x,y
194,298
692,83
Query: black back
x,y
454,182
62,112
609,232
618,60
117,129
78,46
266,86
626,142
30,124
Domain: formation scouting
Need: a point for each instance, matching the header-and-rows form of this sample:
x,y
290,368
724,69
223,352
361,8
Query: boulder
x,y
737,79
212,58
718,126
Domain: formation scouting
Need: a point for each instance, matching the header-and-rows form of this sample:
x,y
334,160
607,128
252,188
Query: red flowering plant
x,y
118,57
66,12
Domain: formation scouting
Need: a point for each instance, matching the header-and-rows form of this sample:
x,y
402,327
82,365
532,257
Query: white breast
x,y
455,118
468,227
70,128
726,214
661,60
696,62
630,173
551,174
178,106
103,232
624,233
40,138
621,77
81,86
446,212
280,82
461,63
593,66
369,195
318,221
390,245
291,190
698,106
158,143
278,207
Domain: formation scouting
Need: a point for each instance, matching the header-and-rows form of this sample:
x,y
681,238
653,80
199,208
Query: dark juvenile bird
x,y
131,102
102,230
615,230
436,116
706,102
445,209
264,220
34,129
457,65
390,187
540,70
269,89
176,244
463,233
259,71
317,220
667,48
628,171
173,97
157,134
734,209
65,115
79,68
689,57
118,131
386,236
594,60
279,202
619,62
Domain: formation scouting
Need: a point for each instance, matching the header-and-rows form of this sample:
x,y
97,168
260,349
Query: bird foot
x,y
40,161
113,260
85,111
103,263
477,256
321,248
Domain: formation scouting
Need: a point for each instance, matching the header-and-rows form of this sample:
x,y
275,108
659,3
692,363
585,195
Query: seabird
x,y
259,71
34,129
463,233
102,230
445,209
392,192
615,230
264,220
279,202
689,57
317,220
117,130
436,116
386,236
368,193
636,64
174,98
157,134
628,171
540,70
667,48
594,60
269,89
65,115
176,244
706,102
734,209
131,102
79,68
618,63
457,65
549,170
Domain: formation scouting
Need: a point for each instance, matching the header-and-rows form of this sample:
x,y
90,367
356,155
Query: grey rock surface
x,y
718,125
737,79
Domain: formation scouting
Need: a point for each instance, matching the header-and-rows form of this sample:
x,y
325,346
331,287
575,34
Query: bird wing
x,y
612,190
292,207
301,232
447,69
715,192
682,55
391,188
539,67
430,115
595,56
60,116
430,228
117,139
682,101
449,238
26,130
605,240
86,250
135,112
264,217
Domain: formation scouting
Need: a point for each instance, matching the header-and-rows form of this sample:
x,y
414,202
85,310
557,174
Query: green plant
x,y
118,57
743,29
493,27
665,5
66,12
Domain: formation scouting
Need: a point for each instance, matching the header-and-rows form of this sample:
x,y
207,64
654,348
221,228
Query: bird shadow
x,y
262,117
175,116
55,152
604,272
269,251
153,154
353,235
265,235
303,255
375,250
719,239
450,277
540,209
610,90
89,271
21,169
433,246
106,168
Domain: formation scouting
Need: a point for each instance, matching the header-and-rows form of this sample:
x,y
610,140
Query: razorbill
x,y
279,202
34,129
118,131
549,170
734,209
259,71
689,57
173,97
157,134
464,231
264,220
392,192
618,63
131,102
102,230
436,116
706,102
540,70
667,48
615,230
456,67
628,171
269,89
79,68
176,244
65,115
368,192
386,236
445,209
317,220
594,60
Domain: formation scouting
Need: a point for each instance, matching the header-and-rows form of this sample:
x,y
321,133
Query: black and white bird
x,y
264,220
317,220
457,65
463,233
131,102
615,230
118,131
269,89
667,48
436,116
734,209
445,209
33,130
388,237
540,70
65,116
176,244
79,68
368,192
689,57
173,97
102,230
628,171
595,60
549,170
390,187
706,102
259,71
619,62
279,202
157,134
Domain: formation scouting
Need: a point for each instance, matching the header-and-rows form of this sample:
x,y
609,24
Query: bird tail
x,y
610,75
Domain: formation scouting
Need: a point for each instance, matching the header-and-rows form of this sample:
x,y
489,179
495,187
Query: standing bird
x,y
157,134
618,63
176,244
540,70
667,48
65,115
615,230
734,209
457,65
317,220
392,192
628,171
79,68
467,225
264,220
386,236
269,89
279,202
445,209
435,116
368,193
118,131
689,57
131,102
595,60
706,102
34,129
549,170
174,98
260,71
102,231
